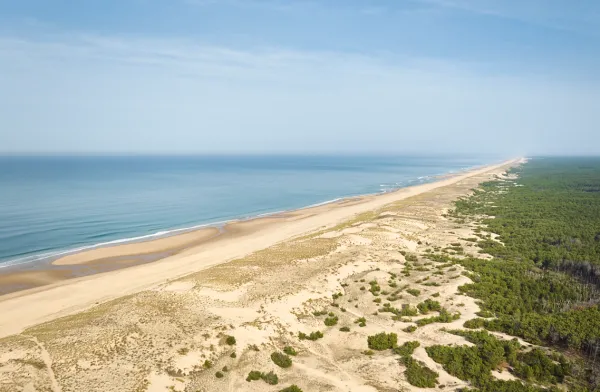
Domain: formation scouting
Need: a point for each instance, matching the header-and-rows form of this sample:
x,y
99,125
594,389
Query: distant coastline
x,y
49,256
147,249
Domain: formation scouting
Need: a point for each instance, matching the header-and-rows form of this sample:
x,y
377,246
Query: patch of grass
x,y
414,292
410,257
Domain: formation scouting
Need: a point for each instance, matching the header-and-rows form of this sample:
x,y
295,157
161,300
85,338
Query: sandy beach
x,y
152,325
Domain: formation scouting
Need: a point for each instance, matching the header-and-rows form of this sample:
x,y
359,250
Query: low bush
x,y
474,323
407,348
291,388
313,335
444,317
270,378
289,350
419,375
230,340
414,292
331,321
382,341
429,305
281,360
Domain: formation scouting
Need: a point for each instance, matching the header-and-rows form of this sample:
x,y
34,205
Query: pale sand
x,y
260,281
31,307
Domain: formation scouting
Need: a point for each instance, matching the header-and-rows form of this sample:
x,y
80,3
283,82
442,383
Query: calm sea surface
x,y
51,205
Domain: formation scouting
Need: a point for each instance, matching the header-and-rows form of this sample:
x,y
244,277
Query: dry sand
x,y
152,327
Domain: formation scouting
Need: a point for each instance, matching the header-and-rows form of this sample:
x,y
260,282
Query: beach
x,y
257,279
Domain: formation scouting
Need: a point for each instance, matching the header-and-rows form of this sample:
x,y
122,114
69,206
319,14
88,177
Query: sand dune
x,y
152,327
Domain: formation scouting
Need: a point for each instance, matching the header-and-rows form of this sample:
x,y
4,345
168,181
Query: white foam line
x,y
167,233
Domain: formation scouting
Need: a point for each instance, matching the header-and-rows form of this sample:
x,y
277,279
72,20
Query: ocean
x,y
50,206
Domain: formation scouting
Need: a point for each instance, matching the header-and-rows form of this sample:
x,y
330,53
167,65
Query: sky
x,y
509,77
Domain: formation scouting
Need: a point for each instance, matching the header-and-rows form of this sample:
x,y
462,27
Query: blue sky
x,y
214,76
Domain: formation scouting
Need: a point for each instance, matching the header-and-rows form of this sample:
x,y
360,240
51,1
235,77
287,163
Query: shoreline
x,y
127,252
38,261
62,297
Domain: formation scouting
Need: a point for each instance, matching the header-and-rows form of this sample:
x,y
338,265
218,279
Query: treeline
x,y
475,363
543,284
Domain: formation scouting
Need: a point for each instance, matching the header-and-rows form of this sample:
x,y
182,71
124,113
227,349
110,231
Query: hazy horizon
x,y
204,77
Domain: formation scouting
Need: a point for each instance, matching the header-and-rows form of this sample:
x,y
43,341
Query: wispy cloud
x,y
113,93
581,16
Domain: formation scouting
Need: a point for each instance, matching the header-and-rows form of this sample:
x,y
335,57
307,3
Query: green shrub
x,y
207,364
313,335
254,375
407,348
405,311
418,374
331,321
219,375
414,292
230,340
410,329
270,378
474,323
233,355
319,313
411,257
289,350
281,360
485,314
444,317
345,329
382,341
291,388
429,305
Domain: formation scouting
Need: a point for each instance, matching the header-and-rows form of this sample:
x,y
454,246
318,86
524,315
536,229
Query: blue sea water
x,y
51,205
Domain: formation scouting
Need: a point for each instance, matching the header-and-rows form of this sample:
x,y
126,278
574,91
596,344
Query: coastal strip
x,y
64,297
